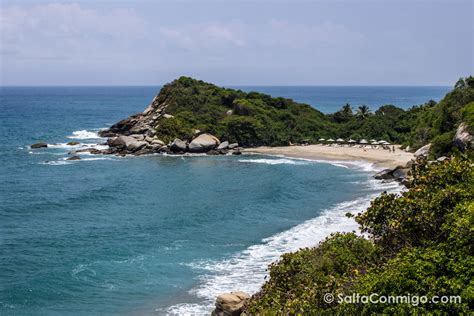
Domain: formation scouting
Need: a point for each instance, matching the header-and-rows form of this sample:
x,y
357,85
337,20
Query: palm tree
x,y
347,110
363,111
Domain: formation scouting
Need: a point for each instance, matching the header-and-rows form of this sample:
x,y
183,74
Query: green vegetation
x,y
254,119
420,243
248,118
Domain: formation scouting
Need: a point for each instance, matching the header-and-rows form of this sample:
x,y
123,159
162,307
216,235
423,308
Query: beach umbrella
x,y
351,141
383,142
330,140
375,143
373,140
340,140
363,141
321,139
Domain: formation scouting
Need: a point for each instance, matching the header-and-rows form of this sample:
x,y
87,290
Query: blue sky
x,y
236,42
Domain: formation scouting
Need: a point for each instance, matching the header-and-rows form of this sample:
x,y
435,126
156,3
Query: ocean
x,y
158,234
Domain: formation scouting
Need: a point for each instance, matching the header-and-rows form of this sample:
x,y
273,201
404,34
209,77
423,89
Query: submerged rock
x,y
39,145
74,158
230,304
73,143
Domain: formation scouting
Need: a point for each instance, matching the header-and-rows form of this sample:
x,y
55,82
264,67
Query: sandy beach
x,y
380,157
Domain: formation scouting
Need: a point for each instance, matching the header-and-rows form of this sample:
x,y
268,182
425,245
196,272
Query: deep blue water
x,y
156,234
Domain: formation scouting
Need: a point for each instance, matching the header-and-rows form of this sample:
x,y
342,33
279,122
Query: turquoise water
x,y
147,235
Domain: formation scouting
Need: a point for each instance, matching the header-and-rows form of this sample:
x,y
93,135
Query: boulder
x,y
74,158
223,145
462,138
178,146
230,304
73,143
157,142
203,143
237,152
423,151
138,136
39,145
167,116
233,145
400,173
386,174
121,141
148,139
137,145
442,159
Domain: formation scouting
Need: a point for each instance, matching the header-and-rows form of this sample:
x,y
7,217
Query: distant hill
x,y
187,107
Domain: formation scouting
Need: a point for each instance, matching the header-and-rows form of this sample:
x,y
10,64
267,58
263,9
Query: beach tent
x,y
363,141
330,140
352,141
340,140
321,139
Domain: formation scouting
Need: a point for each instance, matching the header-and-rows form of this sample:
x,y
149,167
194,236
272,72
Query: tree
x,y
363,111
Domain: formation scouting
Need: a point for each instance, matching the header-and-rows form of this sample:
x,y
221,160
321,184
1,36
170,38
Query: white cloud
x,y
204,35
66,32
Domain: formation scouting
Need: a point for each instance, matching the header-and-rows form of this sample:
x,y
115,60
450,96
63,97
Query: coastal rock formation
x,y
398,174
203,143
423,151
230,304
39,145
178,146
462,138
223,145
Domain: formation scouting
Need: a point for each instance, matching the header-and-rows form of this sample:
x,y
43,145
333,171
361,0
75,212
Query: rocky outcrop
x,y
178,146
203,143
398,174
423,151
462,138
39,145
230,304
223,145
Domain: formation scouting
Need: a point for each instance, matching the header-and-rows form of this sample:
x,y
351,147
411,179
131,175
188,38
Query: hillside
x,y
420,244
186,108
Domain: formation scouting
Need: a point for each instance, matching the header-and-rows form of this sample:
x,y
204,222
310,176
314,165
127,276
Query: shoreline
x,y
379,157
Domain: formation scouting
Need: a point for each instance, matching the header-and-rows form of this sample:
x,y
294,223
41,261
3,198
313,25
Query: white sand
x,y
380,157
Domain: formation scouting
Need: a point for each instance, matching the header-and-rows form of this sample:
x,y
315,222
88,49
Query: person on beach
x,y
393,149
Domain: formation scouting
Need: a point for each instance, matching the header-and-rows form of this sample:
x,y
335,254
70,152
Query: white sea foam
x,y
246,270
275,161
84,134
56,162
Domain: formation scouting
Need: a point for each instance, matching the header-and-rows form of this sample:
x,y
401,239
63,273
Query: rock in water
x,y
73,143
385,174
74,158
233,145
121,141
203,143
423,151
230,304
178,146
39,145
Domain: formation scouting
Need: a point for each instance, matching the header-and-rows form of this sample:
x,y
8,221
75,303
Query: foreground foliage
x,y
421,243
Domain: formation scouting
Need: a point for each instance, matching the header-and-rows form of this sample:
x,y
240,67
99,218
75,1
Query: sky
x,y
227,42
